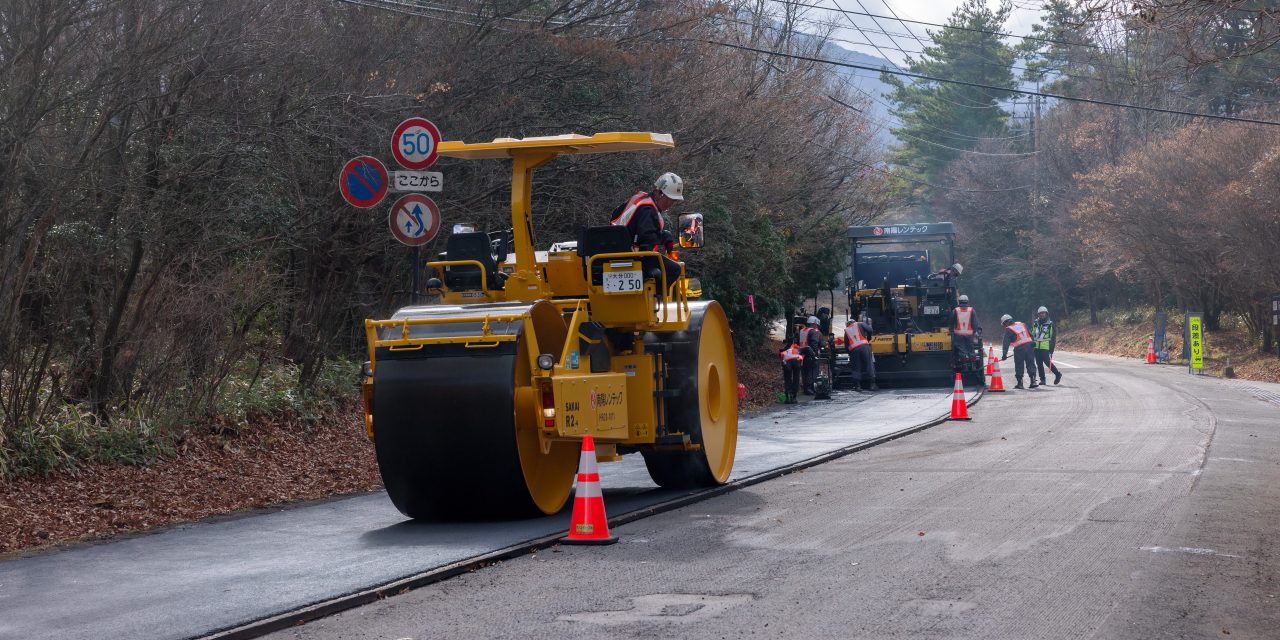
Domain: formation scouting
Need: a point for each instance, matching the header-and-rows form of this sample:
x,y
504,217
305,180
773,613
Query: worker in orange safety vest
x,y
1024,358
792,361
641,214
857,341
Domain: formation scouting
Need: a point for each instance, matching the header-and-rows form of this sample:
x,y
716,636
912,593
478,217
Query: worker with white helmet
x,y
964,329
810,338
1017,336
862,362
1045,336
642,215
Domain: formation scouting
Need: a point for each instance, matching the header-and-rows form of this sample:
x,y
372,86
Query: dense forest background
x,y
173,249
174,253
1080,206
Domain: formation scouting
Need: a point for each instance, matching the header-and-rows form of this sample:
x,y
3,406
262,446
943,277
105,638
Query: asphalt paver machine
x,y
477,404
898,282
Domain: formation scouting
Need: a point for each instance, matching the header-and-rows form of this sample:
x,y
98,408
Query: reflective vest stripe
x,y
853,336
640,199
964,322
804,335
1020,334
1043,334
792,353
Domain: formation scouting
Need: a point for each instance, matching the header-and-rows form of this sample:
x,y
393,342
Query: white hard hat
x,y
958,269
1042,310
812,320
964,298
1005,318
670,185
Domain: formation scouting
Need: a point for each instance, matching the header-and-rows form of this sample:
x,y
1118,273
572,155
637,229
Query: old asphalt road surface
x,y
1133,501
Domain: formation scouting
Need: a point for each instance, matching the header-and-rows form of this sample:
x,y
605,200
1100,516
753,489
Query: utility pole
x,y
1035,147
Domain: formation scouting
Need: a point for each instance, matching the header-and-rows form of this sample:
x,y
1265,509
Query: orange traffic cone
x,y
1151,351
991,358
589,524
997,382
959,410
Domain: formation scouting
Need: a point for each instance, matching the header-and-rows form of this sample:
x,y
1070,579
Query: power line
x,y
920,76
1003,34
922,183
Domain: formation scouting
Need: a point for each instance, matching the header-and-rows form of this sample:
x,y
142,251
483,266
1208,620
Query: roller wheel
x,y
701,365
456,434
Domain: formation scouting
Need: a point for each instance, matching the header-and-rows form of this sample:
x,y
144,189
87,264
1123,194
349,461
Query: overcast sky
x,y
1024,15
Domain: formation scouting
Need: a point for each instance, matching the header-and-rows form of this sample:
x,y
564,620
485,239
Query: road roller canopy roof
x,y
570,143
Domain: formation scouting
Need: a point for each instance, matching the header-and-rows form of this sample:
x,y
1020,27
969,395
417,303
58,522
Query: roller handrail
x,y
682,301
371,329
439,264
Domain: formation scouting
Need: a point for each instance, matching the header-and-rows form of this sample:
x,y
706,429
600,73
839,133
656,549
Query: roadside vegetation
x,y
174,256
1125,332
1084,207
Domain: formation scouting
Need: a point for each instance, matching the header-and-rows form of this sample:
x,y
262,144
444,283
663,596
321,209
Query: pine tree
x,y
941,120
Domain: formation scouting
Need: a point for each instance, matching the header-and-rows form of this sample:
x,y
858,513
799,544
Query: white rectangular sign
x,y
623,281
417,181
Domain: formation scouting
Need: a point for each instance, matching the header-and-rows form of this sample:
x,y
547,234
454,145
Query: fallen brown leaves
x,y
761,372
213,474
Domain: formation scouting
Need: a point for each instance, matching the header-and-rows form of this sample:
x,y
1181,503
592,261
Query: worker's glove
x,y
978,333
1004,358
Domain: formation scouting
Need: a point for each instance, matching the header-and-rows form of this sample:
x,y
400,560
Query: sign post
x,y
415,218
1195,342
1275,321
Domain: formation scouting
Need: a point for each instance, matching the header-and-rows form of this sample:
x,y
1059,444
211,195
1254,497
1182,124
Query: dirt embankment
x,y
1125,334
213,473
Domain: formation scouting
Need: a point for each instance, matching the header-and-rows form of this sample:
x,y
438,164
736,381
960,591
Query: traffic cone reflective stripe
x,y
1151,351
959,410
589,524
997,381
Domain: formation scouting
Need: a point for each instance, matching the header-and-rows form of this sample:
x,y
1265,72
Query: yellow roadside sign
x,y
1195,336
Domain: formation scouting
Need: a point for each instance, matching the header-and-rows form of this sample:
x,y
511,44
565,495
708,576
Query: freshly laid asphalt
x,y
202,578
1130,502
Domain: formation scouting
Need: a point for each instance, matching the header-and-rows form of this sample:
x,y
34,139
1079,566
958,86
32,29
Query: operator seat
x,y
597,240
471,246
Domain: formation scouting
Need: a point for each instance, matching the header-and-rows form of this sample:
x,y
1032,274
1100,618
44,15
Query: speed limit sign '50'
x,y
415,144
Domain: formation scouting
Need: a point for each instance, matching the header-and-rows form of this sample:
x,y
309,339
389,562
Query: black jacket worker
x,y
1045,337
642,215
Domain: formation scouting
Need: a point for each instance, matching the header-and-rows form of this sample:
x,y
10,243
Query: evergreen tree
x,y
940,120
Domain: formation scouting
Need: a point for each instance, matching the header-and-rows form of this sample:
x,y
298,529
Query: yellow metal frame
x,y
486,339
679,296
526,282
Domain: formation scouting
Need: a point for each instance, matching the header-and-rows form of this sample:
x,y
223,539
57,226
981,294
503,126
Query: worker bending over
x,y
811,339
792,361
857,340
1046,340
1016,334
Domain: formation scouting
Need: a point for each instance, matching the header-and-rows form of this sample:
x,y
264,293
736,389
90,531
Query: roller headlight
x,y
546,362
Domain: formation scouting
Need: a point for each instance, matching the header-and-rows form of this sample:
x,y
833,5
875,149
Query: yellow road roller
x,y
477,403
